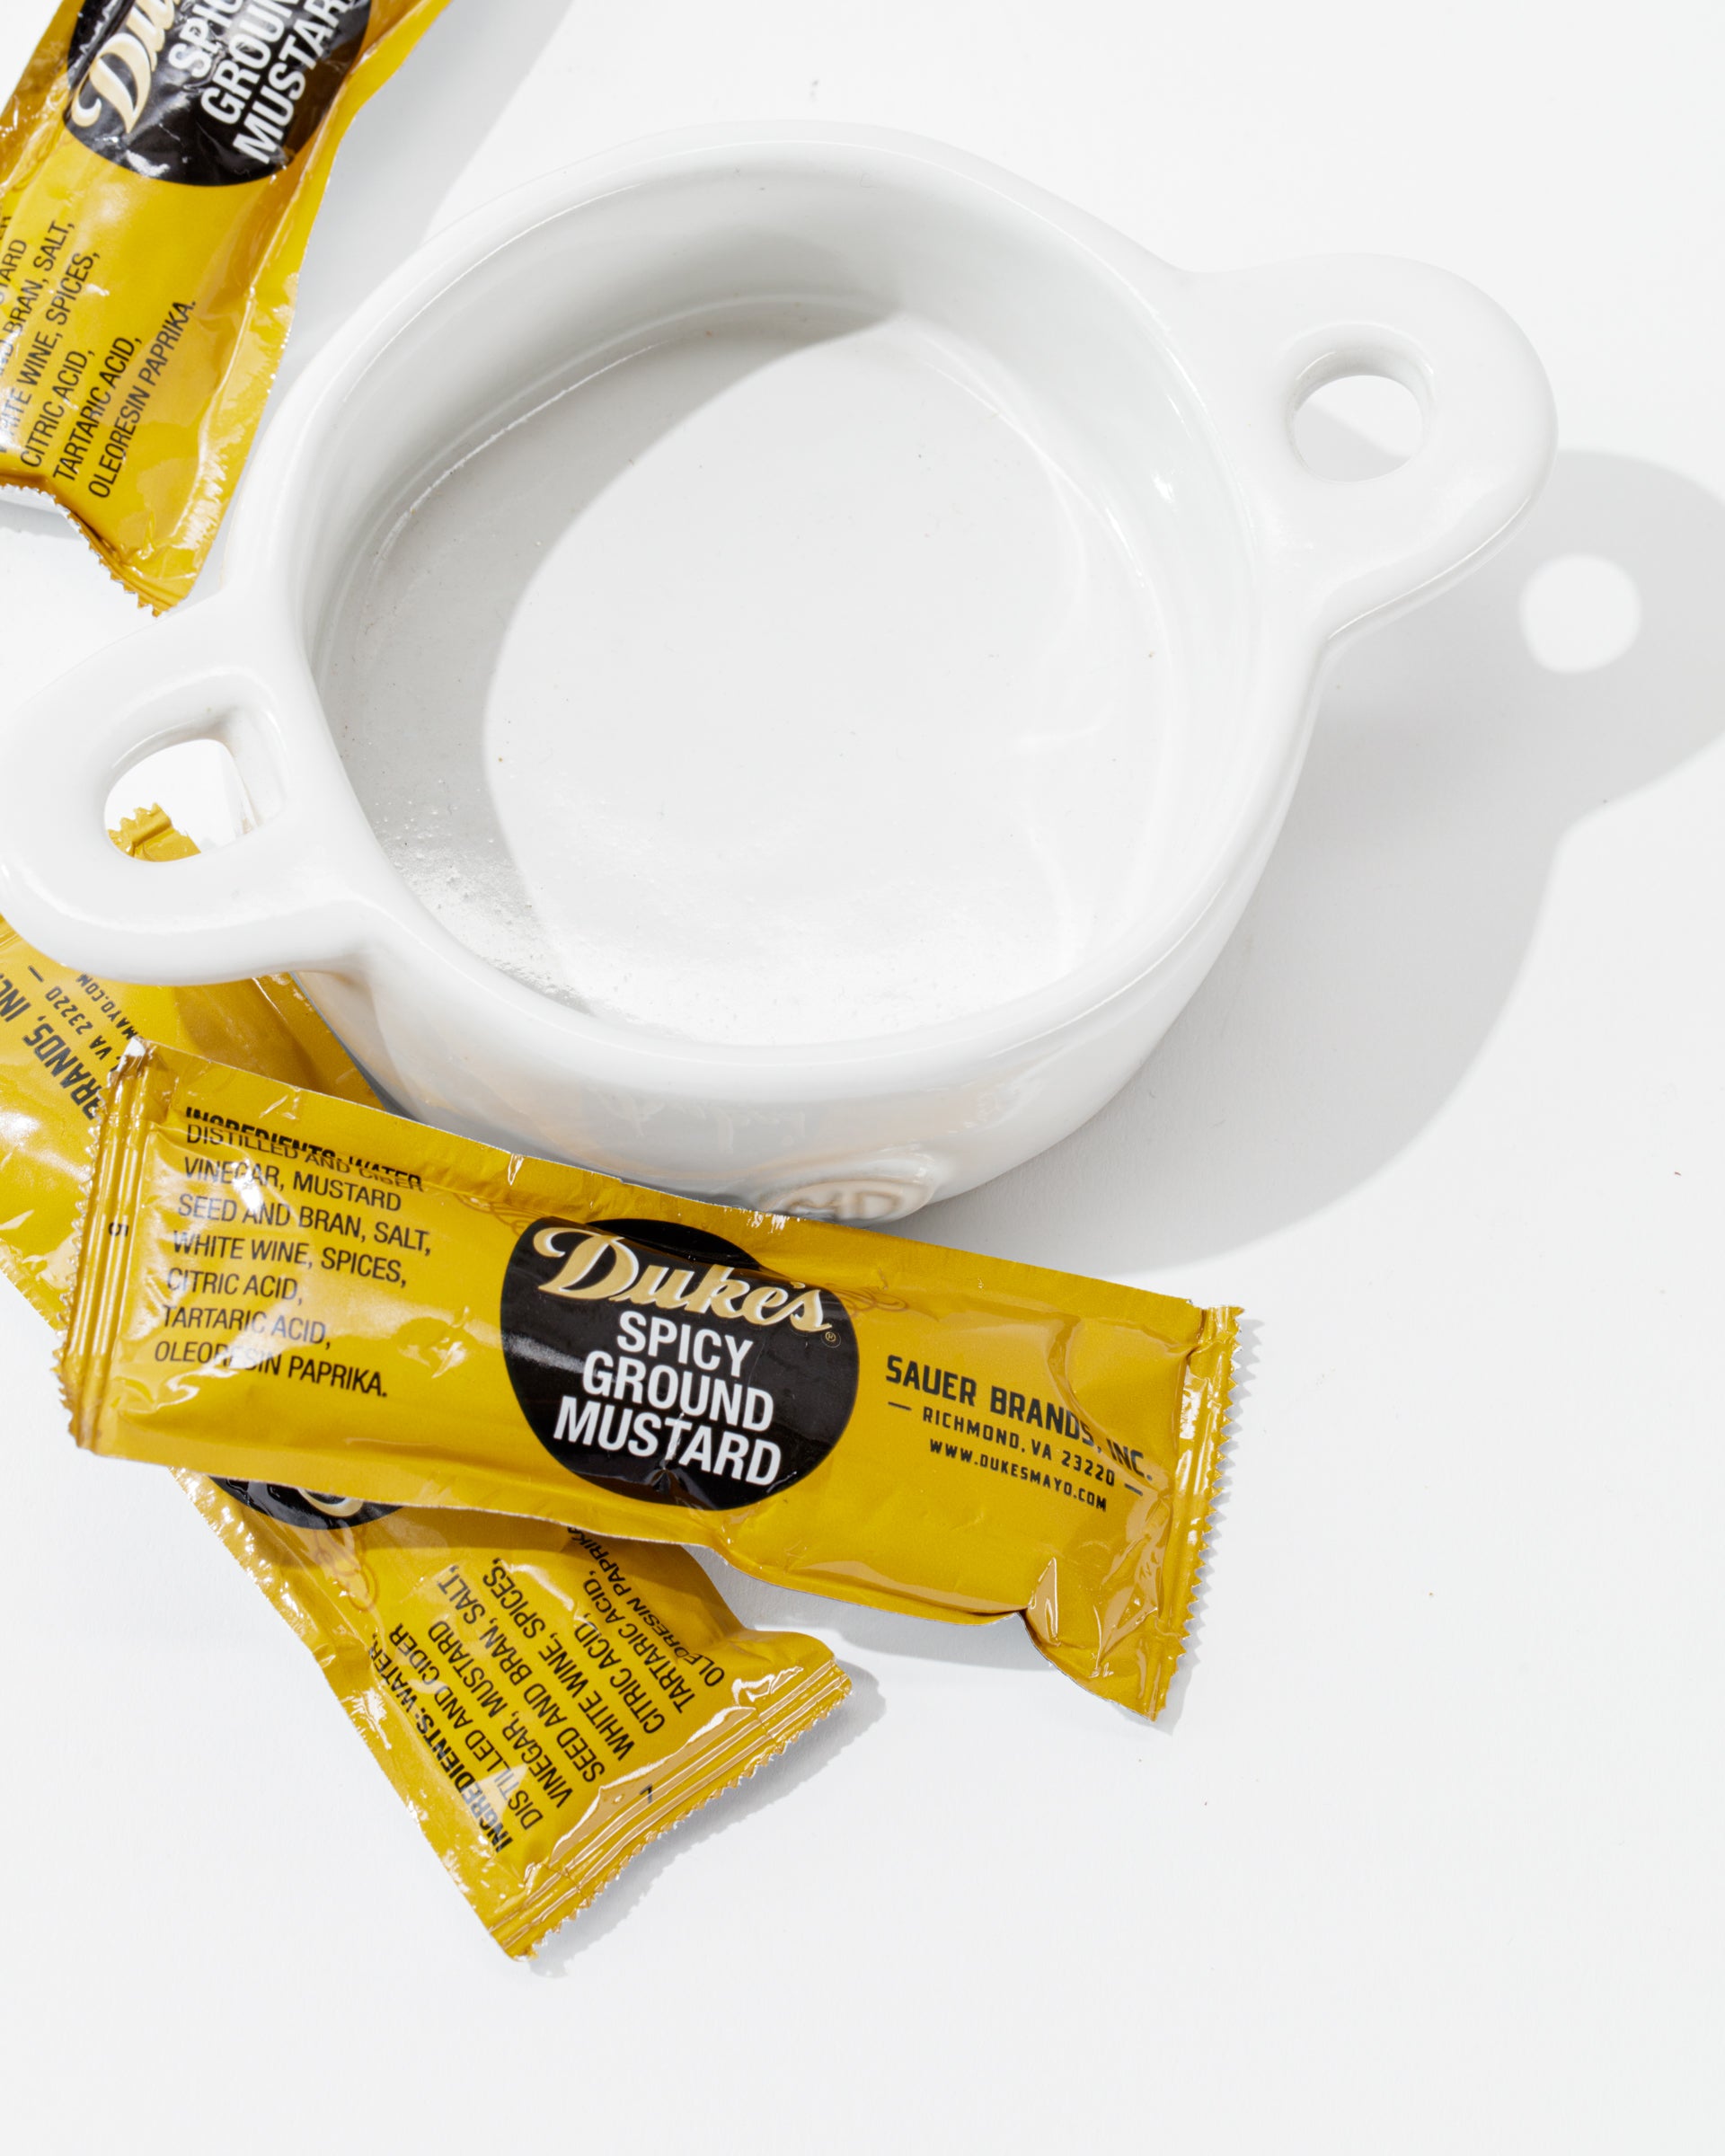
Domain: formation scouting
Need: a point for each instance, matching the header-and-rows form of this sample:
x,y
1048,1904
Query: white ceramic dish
x,y
1161,404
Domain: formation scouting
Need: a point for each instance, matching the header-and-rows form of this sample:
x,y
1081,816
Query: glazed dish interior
x,y
762,613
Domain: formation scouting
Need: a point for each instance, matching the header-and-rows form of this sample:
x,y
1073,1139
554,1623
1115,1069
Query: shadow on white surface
x,y
771,1781
1447,767
34,517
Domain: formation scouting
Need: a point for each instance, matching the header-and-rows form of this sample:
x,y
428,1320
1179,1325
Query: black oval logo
x,y
208,92
663,1363
316,1509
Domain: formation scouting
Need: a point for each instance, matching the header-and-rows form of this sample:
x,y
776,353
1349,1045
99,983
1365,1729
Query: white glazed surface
x,y
1153,410
770,687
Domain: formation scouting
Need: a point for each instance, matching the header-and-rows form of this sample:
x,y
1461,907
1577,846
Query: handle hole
x,y
1358,425
198,783
1578,613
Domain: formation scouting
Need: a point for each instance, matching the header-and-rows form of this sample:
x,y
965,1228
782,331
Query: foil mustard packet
x,y
162,163
278,1285
543,1703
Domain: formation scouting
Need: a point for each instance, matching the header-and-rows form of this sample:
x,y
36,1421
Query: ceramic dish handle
x,y
1359,546
265,903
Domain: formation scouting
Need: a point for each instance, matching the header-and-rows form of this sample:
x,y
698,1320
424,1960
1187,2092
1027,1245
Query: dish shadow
x,y
1446,767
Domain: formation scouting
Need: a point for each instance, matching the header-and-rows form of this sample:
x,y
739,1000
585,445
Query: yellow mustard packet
x,y
162,163
280,1284
543,1703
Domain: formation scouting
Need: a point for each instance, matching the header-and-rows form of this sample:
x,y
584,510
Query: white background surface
x,y
1426,1859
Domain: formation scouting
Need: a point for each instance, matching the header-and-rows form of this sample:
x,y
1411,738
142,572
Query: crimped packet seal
x,y
545,1704
828,1409
162,163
